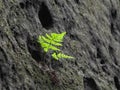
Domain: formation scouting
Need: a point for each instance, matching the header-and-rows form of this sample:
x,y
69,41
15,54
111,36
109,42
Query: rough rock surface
x,y
93,38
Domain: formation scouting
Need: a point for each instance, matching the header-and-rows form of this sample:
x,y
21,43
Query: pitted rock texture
x,y
93,38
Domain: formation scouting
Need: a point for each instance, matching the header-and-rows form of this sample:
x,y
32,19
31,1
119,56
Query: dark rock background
x,y
93,38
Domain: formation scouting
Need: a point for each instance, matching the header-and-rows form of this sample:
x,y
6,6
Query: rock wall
x,y
93,38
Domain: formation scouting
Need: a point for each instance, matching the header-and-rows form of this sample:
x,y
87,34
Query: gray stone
x,y
93,38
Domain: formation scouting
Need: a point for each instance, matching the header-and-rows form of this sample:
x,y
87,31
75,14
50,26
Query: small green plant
x,y
53,42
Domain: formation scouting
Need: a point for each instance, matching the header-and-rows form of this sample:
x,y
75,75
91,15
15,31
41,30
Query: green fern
x,y
60,55
52,42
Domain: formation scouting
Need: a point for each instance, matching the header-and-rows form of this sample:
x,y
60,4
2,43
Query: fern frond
x,y
51,41
61,55
46,46
58,37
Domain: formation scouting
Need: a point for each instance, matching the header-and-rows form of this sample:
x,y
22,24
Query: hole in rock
x,y
112,28
117,84
34,48
56,2
3,55
31,88
114,13
112,54
102,62
99,53
45,16
28,4
105,69
73,37
22,5
7,87
111,50
90,84
77,1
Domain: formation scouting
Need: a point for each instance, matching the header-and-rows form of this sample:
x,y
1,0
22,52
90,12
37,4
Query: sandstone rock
x,y
93,38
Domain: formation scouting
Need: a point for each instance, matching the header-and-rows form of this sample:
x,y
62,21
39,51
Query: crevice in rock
x,y
19,36
105,69
3,55
99,53
102,62
111,49
112,54
57,2
25,4
28,3
77,1
22,5
114,31
73,36
90,84
3,35
34,48
4,67
45,16
113,13
112,27
116,81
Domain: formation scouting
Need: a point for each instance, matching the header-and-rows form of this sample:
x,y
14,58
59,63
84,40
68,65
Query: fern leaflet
x,y
61,55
